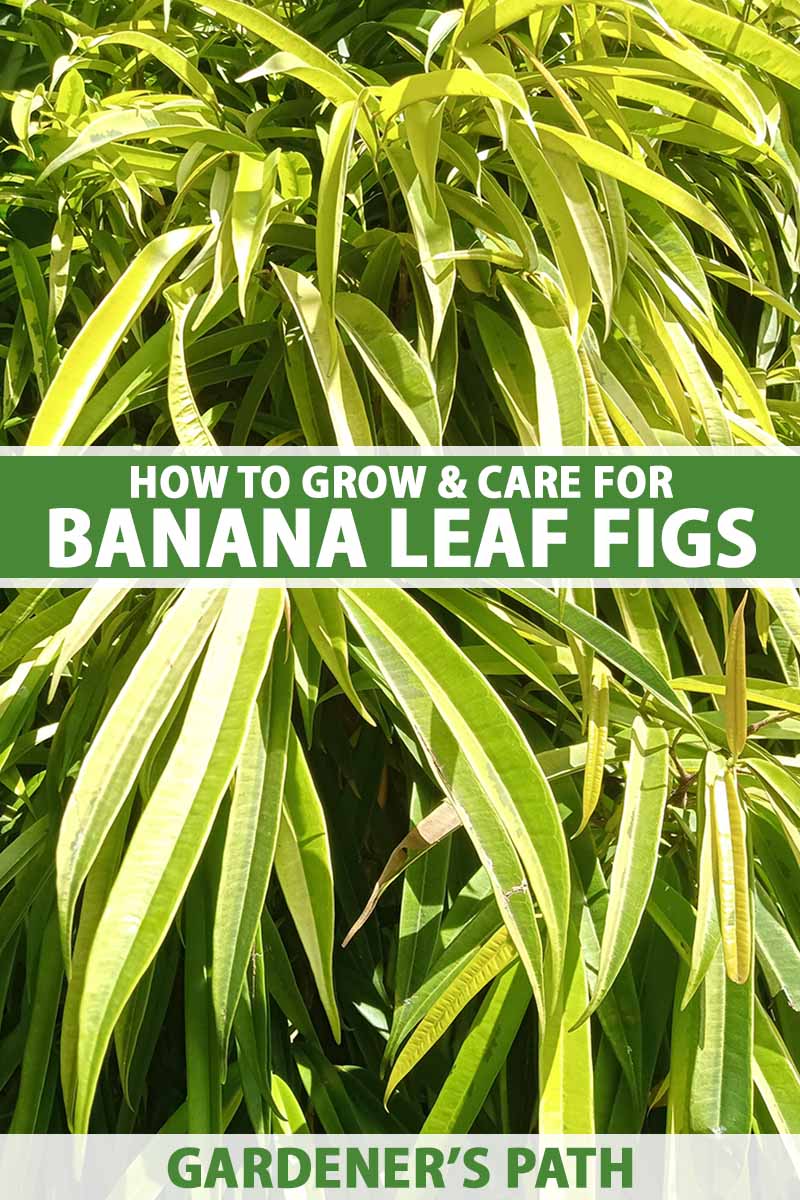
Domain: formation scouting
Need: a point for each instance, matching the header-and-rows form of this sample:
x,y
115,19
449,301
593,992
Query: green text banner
x,y
453,517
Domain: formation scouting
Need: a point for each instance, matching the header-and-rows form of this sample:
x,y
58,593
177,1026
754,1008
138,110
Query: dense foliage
x,y
356,223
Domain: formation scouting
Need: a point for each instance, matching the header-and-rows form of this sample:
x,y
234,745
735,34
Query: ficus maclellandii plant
x,y
369,860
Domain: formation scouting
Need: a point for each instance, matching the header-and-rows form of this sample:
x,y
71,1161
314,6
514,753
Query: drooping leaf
x,y
303,866
87,358
635,861
172,831
477,752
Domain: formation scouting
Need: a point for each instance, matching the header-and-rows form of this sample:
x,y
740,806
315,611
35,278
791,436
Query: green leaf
x,y
170,835
481,1054
28,1116
763,692
170,56
94,608
620,1014
778,956
491,959
118,751
732,875
35,305
273,32
203,1082
775,1074
187,420
345,405
735,684
88,356
596,744
722,1086
251,206
403,377
104,128
737,38
437,85
22,850
492,624
637,853
545,190
642,627
706,931
593,153
509,361
251,837
469,924
42,630
433,235
303,866
330,204
323,619
566,1075
609,644
561,400
483,764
